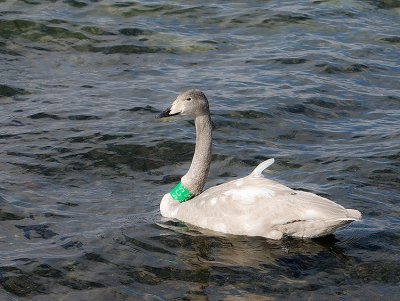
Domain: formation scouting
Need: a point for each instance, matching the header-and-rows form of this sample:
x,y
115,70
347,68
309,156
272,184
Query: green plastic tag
x,y
180,193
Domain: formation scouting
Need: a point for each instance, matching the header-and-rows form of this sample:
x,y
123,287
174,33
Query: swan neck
x,y
196,177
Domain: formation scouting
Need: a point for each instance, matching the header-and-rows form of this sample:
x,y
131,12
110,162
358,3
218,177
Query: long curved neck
x,y
196,177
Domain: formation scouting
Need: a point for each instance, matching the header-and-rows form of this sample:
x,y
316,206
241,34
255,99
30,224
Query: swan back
x,y
257,206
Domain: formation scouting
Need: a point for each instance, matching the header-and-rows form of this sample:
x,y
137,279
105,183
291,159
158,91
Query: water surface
x,y
84,163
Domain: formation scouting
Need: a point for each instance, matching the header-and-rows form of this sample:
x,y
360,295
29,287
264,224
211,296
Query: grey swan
x,y
253,205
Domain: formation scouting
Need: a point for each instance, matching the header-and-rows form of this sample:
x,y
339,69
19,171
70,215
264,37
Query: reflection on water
x,y
84,163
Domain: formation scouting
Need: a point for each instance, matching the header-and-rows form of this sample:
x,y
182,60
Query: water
x,y
84,163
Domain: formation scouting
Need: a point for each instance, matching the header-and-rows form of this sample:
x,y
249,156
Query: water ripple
x,y
84,163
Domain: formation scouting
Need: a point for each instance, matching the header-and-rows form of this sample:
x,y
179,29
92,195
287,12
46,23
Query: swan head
x,y
192,103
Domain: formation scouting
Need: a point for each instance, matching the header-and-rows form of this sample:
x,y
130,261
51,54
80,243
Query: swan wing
x,y
260,207
257,172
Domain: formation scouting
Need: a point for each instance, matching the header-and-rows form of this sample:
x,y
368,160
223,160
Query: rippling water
x,y
84,164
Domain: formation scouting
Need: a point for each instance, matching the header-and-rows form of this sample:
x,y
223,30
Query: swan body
x,y
253,205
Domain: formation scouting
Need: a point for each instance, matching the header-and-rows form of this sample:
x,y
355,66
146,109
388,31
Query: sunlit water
x,y
84,163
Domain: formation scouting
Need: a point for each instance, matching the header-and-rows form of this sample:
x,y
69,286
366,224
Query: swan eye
x,y
189,99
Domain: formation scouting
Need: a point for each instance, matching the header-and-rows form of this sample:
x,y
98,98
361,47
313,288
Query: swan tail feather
x,y
257,172
354,214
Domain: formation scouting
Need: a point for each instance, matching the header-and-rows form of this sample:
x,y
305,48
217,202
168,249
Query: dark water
x,y
84,164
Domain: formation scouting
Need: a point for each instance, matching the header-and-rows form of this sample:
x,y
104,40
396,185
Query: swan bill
x,y
166,113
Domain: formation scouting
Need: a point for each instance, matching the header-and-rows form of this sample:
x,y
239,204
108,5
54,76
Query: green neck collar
x,y
180,193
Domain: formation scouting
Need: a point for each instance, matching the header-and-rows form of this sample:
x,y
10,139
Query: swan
x,y
251,206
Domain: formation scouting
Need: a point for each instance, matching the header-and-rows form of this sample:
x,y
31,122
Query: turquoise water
x,y
84,163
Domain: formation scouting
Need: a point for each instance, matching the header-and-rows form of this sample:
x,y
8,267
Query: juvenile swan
x,y
253,205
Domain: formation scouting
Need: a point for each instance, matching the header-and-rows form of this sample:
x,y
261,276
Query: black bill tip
x,y
166,113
